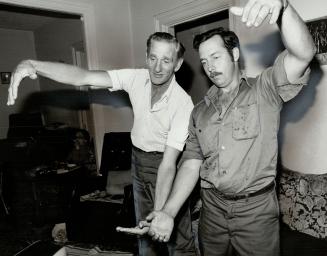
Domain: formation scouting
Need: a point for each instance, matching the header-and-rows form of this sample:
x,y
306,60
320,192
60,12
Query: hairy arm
x,y
59,72
186,179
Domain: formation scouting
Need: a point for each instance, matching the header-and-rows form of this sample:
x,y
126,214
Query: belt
x,y
145,152
234,197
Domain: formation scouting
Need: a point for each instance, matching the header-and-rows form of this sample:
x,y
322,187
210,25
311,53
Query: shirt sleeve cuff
x,y
173,144
286,89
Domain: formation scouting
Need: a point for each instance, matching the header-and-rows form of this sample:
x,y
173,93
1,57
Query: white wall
x,y
304,120
15,46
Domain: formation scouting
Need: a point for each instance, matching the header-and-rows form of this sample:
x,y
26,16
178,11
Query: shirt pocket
x,y
206,139
246,123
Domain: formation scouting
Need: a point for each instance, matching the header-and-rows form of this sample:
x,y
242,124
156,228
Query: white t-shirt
x,y
166,123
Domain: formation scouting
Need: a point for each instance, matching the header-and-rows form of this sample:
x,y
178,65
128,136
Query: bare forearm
x,y
69,74
186,179
164,183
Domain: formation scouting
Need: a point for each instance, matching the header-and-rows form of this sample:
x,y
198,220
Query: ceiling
x,y
22,18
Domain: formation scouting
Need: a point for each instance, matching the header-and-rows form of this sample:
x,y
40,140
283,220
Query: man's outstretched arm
x,y
59,72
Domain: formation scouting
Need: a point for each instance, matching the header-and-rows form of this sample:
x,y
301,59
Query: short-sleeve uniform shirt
x,y
166,123
238,146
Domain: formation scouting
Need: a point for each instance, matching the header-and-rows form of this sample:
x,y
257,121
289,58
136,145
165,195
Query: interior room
x,y
65,153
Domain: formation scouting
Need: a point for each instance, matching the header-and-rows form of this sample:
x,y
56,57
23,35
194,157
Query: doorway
x,y
30,33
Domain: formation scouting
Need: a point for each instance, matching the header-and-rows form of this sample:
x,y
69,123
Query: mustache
x,y
213,74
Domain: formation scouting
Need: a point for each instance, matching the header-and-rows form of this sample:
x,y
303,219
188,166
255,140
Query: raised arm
x,y
294,32
298,42
60,72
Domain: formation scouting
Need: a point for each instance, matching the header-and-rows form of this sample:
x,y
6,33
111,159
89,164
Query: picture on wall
x,y
318,30
5,77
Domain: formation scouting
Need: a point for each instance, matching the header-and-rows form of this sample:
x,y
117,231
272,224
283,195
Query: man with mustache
x,y
232,144
161,113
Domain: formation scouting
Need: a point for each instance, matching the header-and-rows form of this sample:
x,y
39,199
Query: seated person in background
x,y
82,152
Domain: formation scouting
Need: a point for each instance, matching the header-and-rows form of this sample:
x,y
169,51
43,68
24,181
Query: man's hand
x,y
161,226
24,69
140,230
256,11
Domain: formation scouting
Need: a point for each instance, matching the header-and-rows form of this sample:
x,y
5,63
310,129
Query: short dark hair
x,y
163,36
229,38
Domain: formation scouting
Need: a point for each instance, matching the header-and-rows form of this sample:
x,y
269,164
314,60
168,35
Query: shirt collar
x,y
213,92
170,88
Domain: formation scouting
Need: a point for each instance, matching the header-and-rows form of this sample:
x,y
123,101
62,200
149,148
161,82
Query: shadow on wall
x,y
76,100
296,109
266,52
267,49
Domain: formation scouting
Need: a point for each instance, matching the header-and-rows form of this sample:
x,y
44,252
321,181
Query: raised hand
x,y
256,11
161,226
24,69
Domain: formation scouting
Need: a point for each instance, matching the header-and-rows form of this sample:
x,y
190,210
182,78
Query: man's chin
x,y
157,82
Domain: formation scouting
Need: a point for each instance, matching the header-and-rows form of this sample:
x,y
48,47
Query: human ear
x,y
178,64
236,54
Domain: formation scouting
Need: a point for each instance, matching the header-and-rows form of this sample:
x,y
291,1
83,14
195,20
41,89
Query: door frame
x,y
87,13
166,21
85,10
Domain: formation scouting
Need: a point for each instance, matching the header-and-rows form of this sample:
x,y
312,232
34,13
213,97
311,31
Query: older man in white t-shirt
x,y
161,115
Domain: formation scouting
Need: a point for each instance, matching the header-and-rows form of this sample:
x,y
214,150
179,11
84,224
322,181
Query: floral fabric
x,y
303,202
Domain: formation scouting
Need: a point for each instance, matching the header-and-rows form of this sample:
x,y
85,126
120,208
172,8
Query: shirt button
x,y
224,172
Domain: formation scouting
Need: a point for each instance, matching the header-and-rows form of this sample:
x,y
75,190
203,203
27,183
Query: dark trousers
x,y
144,172
247,226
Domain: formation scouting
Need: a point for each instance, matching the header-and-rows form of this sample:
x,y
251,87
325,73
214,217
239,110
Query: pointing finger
x,y
133,231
